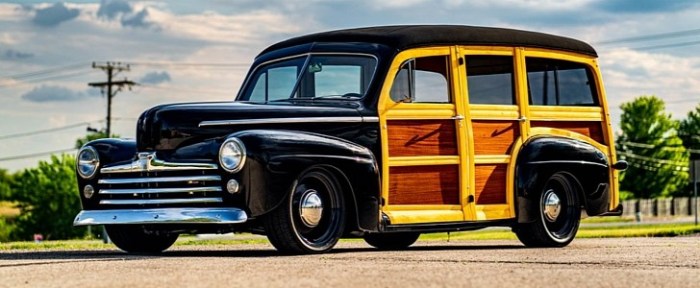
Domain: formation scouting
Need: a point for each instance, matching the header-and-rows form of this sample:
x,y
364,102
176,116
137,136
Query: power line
x,y
674,45
187,90
190,64
55,77
46,71
26,156
50,130
651,37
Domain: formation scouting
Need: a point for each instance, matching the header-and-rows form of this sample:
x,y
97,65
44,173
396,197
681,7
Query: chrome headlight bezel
x,y
232,155
94,161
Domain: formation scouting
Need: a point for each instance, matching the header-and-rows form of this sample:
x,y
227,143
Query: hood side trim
x,y
289,120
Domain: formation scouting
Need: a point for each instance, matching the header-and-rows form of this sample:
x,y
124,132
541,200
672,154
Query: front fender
x,y
540,157
110,151
276,158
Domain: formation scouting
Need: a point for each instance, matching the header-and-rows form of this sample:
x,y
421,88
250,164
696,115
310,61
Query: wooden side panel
x,y
422,137
437,184
593,129
490,186
494,137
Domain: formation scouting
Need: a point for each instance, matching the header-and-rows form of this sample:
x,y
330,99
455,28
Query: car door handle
x,y
458,117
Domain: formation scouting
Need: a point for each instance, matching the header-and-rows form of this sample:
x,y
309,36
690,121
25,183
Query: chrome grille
x,y
152,182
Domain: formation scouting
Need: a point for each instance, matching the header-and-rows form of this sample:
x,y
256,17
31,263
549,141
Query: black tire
x,y
291,233
136,239
557,232
392,241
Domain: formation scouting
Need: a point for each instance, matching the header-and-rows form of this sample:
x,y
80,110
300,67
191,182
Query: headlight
x,y
88,161
232,155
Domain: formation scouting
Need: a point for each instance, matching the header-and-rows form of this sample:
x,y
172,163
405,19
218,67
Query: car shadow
x,y
64,256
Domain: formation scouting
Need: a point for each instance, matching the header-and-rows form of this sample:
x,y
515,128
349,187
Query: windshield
x,y
311,77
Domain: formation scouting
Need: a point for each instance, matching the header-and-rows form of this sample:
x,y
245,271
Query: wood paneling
x,y
436,184
422,137
591,129
490,186
494,137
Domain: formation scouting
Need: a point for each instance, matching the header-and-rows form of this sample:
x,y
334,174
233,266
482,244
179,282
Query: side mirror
x,y
620,165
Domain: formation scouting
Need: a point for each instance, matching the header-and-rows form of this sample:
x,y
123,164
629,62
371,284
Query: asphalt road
x,y
627,262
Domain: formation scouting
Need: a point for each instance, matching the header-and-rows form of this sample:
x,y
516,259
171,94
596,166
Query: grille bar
x,y
147,180
160,190
160,201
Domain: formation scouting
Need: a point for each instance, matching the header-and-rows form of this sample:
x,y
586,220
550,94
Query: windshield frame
x,y
307,57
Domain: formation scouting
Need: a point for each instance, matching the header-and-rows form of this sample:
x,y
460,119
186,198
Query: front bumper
x,y
161,216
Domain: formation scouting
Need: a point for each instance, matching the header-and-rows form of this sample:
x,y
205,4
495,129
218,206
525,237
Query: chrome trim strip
x,y
160,201
161,216
288,120
160,190
158,179
147,162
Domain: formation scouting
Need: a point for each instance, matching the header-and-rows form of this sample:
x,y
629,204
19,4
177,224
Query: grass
x,y
608,219
613,231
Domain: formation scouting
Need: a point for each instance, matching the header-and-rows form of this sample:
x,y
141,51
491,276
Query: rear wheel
x,y
136,239
559,215
392,241
311,219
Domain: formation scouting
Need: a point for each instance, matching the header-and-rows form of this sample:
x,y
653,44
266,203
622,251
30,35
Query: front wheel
x,y
559,215
312,218
136,239
392,241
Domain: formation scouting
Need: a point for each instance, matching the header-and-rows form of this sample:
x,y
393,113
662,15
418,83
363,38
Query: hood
x,y
169,127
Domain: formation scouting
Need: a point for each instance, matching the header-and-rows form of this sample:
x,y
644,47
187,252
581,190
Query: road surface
x,y
624,262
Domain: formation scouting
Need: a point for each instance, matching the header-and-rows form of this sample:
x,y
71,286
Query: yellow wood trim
x,y
425,114
491,159
559,55
522,92
569,134
423,160
422,207
424,216
567,113
494,114
493,212
486,50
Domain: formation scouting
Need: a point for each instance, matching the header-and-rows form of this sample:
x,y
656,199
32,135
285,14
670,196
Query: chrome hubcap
x,y
551,205
311,208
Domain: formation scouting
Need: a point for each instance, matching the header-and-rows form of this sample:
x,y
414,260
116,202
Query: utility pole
x,y
112,69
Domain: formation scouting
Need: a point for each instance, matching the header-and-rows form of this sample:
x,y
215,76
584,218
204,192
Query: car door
x,y
424,157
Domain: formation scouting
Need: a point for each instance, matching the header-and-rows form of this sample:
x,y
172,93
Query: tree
x,y
5,184
649,142
93,135
48,200
689,131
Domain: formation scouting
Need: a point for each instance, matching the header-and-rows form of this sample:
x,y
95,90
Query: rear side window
x,y
422,80
490,80
560,83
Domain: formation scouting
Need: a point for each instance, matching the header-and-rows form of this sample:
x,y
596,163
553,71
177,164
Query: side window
x,y
490,80
556,82
422,80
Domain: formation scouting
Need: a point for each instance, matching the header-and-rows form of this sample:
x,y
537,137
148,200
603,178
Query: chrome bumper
x,y
161,216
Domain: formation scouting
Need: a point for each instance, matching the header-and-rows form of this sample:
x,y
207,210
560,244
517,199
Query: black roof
x,y
410,36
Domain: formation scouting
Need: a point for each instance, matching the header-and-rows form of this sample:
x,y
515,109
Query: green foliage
x,y
5,184
689,131
48,200
92,136
658,160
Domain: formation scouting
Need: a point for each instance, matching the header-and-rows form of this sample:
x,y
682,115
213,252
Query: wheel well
x,y
351,219
578,188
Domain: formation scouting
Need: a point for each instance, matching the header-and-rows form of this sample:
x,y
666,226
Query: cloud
x,y
137,20
16,55
110,9
54,93
155,78
54,15
645,6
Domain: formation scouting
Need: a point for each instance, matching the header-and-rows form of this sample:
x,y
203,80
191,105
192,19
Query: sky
x,y
184,51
